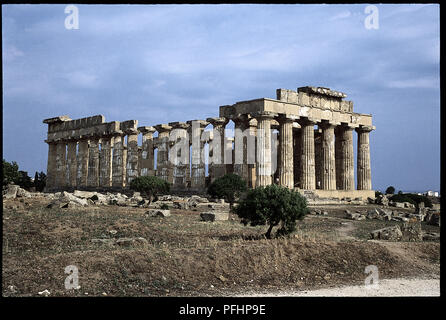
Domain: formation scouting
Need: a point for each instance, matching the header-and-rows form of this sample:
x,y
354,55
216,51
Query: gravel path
x,y
386,288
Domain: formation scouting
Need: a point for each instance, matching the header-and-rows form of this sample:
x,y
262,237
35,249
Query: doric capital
x,y
201,123
163,128
307,121
363,128
218,122
145,130
179,125
284,118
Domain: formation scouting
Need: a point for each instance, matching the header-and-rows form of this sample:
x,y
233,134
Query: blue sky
x,y
168,63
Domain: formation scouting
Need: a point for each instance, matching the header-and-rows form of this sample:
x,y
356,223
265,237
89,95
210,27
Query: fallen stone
x,y
433,219
158,213
411,231
197,199
431,236
183,205
354,215
22,193
373,214
83,194
214,216
388,233
11,191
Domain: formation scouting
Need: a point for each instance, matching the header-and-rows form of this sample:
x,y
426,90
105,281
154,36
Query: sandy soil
x,y
385,288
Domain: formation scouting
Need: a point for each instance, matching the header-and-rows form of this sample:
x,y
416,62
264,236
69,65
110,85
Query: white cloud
x,y
430,83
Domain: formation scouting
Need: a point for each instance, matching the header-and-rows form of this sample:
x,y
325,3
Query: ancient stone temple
x,y
302,139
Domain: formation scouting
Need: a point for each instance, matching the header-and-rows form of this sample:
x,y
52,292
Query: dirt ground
x,y
184,256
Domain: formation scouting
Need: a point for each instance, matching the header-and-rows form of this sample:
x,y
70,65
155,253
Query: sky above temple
x,y
166,63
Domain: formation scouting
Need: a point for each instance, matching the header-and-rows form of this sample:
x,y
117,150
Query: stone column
x,y
118,160
307,158
179,154
286,172
61,149
163,167
71,163
93,163
364,174
51,165
318,157
263,174
241,124
132,155
105,161
328,165
345,175
297,142
217,167
198,174
82,162
146,162
252,133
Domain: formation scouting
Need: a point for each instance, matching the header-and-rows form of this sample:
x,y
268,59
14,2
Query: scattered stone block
x,y
388,233
158,213
214,216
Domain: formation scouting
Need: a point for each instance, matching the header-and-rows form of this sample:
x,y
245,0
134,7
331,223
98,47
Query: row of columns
x,y
82,163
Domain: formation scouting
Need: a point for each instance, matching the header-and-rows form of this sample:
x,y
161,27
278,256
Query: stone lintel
x,y
264,114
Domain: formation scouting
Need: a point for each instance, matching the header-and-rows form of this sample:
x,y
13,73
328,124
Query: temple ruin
x,y
302,139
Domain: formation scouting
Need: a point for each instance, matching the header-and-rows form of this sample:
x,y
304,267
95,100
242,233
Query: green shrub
x,y
10,172
149,186
412,198
228,187
377,193
273,205
164,206
390,190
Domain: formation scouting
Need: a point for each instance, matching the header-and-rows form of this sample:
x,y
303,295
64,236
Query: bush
x,y
412,198
39,181
390,190
272,205
228,187
149,186
10,172
164,206
378,193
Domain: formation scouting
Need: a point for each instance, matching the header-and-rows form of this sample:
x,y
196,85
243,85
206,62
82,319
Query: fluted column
x,y
328,165
251,149
264,167
286,168
345,175
364,174
198,174
217,167
51,165
61,163
318,157
132,155
307,159
146,161
179,154
82,163
105,162
163,165
241,124
118,160
297,143
93,162
71,163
